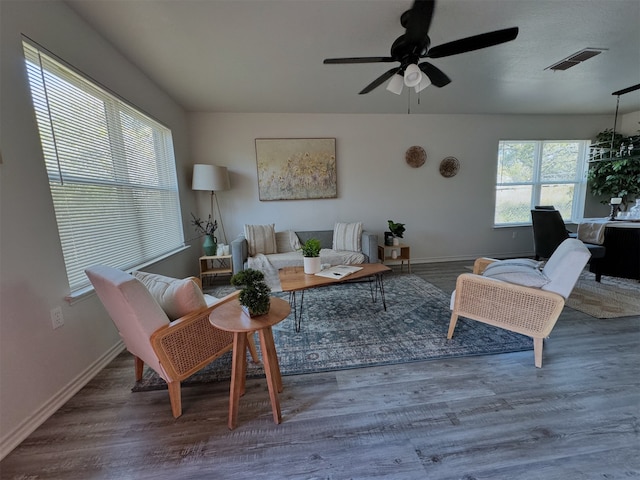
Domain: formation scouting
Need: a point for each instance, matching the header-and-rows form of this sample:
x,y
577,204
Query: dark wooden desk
x,y
622,258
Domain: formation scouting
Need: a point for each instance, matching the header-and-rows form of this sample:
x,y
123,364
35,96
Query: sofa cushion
x,y
520,274
177,297
260,239
347,236
287,241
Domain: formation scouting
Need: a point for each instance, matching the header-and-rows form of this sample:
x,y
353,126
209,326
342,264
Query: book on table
x,y
338,271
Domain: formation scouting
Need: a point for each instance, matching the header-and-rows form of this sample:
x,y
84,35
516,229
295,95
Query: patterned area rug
x,y
343,329
611,298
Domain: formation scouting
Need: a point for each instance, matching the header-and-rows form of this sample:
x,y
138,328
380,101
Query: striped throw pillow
x,y
260,239
347,236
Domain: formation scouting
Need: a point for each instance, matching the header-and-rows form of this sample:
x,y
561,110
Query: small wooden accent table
x,y
231,318
293,279
403,253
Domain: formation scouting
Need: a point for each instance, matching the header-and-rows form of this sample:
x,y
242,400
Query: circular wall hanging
x,y
415,156
449,167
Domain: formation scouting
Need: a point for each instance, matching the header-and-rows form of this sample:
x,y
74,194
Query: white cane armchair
x,y
531,311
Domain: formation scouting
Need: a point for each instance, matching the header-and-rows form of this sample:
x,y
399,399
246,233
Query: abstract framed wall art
x,y
296,168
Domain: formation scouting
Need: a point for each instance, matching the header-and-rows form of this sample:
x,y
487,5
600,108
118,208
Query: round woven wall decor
x,y
449,167
415,156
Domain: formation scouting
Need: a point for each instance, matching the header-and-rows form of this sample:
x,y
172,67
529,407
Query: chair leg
x,y
537,351
139,368
452,325
251,345
175,398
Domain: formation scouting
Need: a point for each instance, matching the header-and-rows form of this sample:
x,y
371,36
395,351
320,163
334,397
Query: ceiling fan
x,y
415,44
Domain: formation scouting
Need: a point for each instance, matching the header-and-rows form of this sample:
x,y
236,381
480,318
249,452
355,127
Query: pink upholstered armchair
x,y
174,349
531,306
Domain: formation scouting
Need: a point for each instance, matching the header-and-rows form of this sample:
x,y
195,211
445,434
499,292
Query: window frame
x,y
537,183
131,186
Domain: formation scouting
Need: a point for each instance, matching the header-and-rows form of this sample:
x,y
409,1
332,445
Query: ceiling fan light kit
x,y
412,75
396,84
415,44
424,83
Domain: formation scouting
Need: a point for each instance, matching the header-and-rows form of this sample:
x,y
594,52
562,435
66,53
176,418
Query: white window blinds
x,y
111,171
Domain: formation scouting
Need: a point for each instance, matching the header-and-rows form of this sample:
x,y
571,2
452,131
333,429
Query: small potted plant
x,y
311,253
255,295
207,229
397,230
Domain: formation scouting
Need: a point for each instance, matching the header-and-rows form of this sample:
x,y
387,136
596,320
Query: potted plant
x,y
207,229
311,253
615,176
397,230
255,295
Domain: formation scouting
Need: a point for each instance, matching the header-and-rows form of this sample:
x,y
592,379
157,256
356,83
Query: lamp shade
x,y
210,177
424,83
395,84
412,75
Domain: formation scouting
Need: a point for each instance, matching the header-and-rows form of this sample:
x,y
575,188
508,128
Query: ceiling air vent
x,y
576,58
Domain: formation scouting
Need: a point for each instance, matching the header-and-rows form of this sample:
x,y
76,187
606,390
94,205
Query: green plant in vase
x,y
397,230
311,253
255,295
207,229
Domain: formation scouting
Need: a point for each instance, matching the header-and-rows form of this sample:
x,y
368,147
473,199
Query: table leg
x,y
380,285
272,371
238,374
297,314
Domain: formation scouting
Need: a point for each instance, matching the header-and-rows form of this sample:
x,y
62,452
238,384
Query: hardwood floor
x,y
486,417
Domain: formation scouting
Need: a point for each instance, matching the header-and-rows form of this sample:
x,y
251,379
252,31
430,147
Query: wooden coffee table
x,y
293,280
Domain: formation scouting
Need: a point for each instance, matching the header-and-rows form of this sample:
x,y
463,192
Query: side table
x,y
213,265
403,252
230,317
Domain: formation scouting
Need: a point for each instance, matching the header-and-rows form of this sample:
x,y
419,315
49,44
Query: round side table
x,y
230,317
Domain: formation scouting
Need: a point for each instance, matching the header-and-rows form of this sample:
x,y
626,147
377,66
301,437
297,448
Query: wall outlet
x,y
514,235
57,320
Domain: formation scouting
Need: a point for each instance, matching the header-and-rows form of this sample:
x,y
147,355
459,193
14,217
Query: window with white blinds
x,y
111,171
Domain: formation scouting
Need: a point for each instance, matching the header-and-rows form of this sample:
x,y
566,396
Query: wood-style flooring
x,y
486,417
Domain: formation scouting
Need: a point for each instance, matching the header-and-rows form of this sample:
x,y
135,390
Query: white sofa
x,y
287,250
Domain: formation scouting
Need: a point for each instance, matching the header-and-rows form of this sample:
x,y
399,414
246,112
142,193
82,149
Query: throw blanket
x,y
592,230
271,277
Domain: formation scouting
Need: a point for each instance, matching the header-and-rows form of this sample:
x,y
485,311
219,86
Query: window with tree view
x,y
534,173
111,171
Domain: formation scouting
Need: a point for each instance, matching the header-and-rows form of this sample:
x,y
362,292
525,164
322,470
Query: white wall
x,y
446,218
40,367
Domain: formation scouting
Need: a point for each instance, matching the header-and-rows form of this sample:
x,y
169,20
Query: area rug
x,y
342,328
611,298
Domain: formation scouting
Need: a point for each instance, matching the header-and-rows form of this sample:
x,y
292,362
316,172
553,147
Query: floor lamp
x,y
214,179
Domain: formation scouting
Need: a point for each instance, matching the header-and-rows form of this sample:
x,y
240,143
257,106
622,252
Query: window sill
x,y
88,291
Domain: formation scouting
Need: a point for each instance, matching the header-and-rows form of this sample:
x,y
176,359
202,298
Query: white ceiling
x,y
266,55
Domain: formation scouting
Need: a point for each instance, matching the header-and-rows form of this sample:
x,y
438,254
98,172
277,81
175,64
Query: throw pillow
x,y
260,239
526,275
177,297
347,236
287,241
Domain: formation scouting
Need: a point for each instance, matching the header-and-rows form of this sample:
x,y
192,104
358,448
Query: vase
x,y
311,265
388,239
209,245
396,241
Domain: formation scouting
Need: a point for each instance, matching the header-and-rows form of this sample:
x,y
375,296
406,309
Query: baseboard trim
x,y
26,428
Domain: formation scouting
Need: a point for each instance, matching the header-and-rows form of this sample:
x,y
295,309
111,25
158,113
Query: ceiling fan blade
x,y
418,20
438,77
380,80
475,42
358,60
